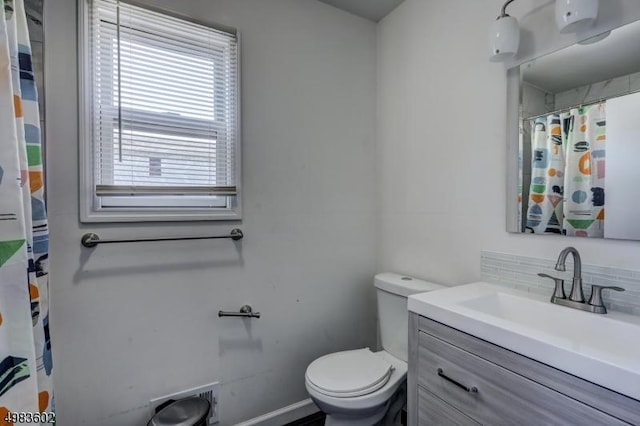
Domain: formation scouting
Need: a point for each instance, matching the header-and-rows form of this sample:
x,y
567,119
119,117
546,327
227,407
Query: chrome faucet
x,y
576,297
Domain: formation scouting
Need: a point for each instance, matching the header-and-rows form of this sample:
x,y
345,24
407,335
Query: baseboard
x,y
284,415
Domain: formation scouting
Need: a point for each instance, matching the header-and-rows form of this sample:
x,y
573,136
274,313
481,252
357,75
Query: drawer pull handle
x,y
471,389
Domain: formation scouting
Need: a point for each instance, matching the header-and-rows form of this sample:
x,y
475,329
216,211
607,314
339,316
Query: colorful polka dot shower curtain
x,y
26,394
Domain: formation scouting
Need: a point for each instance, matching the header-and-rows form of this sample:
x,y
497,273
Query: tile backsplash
x,y
520,272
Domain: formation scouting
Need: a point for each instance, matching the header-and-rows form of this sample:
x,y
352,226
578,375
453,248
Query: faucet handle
x,y
558,293
596,294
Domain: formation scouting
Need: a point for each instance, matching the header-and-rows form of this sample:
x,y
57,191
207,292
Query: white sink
x,y
603,349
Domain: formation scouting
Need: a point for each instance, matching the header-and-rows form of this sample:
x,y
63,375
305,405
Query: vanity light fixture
x,y
575,15
571,16
504,36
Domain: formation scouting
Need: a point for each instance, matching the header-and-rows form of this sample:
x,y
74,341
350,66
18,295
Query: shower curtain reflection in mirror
x,y
566,188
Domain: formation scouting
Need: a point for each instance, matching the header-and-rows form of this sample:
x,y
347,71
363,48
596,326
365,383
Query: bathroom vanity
x,y
456,378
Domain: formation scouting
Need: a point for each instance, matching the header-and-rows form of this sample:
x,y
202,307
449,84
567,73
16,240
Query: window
x,y
160,133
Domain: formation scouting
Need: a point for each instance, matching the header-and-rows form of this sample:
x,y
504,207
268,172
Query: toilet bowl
x,y
357,398
357,387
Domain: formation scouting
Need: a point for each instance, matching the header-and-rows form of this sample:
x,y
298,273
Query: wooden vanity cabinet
x,y
457,379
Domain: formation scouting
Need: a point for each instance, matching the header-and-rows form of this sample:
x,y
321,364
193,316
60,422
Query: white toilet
x,y
356,387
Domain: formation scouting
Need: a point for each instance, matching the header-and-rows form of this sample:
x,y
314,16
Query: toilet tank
x,y
392,291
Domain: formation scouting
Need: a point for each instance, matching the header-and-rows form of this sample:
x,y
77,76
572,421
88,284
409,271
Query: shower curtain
x,y
584,131
25,348
547,176
568,171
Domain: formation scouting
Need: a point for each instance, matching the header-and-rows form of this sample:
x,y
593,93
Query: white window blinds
x,y
164,109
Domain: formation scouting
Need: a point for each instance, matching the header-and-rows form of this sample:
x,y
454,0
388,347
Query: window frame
x,y
91,209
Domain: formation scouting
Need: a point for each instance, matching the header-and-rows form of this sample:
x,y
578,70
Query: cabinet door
x,y
493,395
433,411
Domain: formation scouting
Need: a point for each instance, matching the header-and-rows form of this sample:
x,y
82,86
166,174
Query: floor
x,y
316,419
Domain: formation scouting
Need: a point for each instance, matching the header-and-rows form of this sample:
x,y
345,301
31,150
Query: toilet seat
x,y
349,374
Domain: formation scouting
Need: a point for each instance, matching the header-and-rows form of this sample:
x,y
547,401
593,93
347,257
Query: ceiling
x,y
369,9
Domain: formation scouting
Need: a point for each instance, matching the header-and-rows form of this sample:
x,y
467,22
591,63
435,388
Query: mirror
x,y
578,168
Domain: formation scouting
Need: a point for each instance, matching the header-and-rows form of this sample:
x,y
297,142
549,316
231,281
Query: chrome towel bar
x,y
91,240
245,311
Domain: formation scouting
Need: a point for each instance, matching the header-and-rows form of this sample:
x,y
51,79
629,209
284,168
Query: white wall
x,y
131,322
441,142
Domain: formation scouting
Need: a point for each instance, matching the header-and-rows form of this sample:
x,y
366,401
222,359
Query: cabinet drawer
x,y
433,411
502,397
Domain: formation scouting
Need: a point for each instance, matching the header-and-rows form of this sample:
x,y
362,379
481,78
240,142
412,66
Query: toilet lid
x,y
350,373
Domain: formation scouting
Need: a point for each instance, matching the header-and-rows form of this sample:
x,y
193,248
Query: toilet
x,y
358,387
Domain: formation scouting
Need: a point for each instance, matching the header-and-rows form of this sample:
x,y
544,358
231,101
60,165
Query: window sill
x,y
159,216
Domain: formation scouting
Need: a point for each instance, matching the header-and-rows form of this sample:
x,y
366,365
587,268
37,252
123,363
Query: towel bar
x,y
91,239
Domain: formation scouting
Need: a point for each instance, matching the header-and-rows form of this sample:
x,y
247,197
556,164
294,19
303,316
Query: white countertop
x,y
604,349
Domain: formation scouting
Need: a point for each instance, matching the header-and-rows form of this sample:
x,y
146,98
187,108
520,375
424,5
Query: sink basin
x,y
600,348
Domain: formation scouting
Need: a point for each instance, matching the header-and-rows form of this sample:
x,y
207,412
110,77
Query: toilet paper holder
x,y
245,312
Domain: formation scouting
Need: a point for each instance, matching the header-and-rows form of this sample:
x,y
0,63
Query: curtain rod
x,y
594,102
